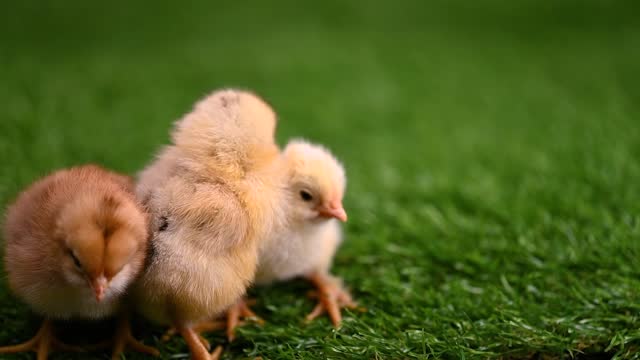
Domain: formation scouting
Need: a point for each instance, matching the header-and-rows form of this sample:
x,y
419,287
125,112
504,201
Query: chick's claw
x,y
240,310
208,326
199,351
125,338
204,327
215,354
234,316
331,304
199,328
41,343
331,298
171,332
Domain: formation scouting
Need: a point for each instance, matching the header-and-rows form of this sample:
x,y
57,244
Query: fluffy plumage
x,y
306,245
213,194
74,241
315,187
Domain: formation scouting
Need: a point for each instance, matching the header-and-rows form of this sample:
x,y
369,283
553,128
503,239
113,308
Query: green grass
x,y
492,151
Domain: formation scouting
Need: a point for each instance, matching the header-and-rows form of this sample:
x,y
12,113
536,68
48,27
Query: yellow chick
x,y
74,241
212,194
304,245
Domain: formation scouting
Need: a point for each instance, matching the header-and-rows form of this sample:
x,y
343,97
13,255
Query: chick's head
x,y
102,243
317,182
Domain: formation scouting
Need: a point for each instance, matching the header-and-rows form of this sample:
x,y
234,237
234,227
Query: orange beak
x,y
99,286
333,210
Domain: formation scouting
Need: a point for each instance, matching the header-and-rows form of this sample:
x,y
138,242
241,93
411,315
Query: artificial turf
x,y
492,151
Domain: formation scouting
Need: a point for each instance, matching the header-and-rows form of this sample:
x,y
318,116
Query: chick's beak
x,y
99,286
333,210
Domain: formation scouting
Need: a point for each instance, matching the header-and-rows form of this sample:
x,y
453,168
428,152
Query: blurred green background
x,y
492,150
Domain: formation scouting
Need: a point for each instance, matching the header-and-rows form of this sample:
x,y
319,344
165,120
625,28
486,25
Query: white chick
x,y
305,244
306,247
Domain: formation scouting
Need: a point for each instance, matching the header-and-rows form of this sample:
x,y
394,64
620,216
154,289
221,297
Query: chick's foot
x,y
41,343
198,329
331,298
124,337
240,310
234,316
198,345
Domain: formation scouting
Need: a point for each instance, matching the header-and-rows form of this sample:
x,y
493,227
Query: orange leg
x,y
331,298
124,337
215,354
199,328
196,347
240,310
41,343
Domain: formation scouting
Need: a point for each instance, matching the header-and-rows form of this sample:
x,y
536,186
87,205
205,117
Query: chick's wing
x,y
205,215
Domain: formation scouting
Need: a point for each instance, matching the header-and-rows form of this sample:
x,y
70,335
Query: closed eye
x,y
75,259
164,223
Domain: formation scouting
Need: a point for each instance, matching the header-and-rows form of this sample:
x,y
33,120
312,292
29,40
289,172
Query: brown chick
x,y
212,195
74,241
306,245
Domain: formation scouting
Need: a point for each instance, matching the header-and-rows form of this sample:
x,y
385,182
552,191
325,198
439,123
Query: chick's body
x,y
37,230
213,193
74,241
191,275
299,251
307,242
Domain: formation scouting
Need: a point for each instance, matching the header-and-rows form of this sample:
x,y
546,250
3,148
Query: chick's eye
x,y
75,260
305,195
